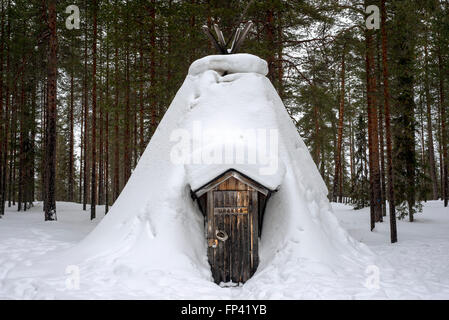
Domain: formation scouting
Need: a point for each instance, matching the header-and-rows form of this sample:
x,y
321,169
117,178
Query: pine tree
x,y
386,96
93,197
373,136
50,201
404,105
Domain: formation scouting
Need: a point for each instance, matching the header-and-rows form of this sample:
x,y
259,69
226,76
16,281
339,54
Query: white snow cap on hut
x,y
155,227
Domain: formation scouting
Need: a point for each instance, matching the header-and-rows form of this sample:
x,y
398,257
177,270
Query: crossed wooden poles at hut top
x,y
237,40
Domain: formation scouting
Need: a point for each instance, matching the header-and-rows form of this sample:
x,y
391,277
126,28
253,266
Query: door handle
x,y
221,235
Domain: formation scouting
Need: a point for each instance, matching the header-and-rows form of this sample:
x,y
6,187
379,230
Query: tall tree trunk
x,y
3,117
381,133
192,21
342,172
443,128
423,158
393,230
116,187
340,127
152,70
102,106
373,137
93,197
7,114
22,134
440,150
6,132
126,141
405,145
280,56
71,174
33,144
430,146
44,95
12,155
81,151
141,109
85,111
135,124
101,146
50,212
269,27
351,153
317,135
107,131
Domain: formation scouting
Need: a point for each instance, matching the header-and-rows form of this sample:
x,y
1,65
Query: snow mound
x,y
154,227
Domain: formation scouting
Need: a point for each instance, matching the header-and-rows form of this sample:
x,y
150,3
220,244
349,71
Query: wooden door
x,y
232,234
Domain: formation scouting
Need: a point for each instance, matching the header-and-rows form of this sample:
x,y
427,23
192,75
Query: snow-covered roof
x,y
231,63
232,173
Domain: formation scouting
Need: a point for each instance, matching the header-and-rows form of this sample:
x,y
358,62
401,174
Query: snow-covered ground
x,y
415,268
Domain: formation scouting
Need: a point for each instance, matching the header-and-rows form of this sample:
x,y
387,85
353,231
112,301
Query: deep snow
x,y
151,244
415,268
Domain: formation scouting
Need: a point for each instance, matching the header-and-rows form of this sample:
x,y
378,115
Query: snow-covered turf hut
x,y
227,141
225,191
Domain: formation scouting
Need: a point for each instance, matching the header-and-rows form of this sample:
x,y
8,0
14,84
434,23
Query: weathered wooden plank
x,y
220,257
260,212
232,184
231,247
249,235
248,256
241,248
231,198
235,250
219,201
227,264
245,250
227,198
225,251
254,233
212,252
